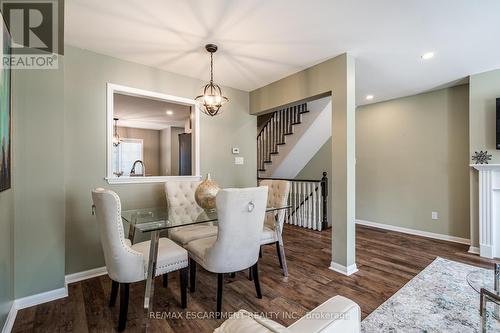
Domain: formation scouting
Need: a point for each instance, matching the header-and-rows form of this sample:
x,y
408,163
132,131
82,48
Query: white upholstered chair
x,y
336,315
236,246
127,263
279,191
181,202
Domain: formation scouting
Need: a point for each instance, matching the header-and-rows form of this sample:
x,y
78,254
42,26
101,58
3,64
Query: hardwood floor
x,y
386,261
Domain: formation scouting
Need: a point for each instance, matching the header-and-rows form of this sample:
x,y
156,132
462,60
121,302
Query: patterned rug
x,y
438,299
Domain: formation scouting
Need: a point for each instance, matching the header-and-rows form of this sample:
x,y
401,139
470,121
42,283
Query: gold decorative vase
x,y
205,193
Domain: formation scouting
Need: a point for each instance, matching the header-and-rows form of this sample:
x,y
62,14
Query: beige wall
x,y
335,76
484,90
86,75
151,147
412,159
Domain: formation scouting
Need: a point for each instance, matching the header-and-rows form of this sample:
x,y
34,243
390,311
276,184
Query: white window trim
x,y
115,88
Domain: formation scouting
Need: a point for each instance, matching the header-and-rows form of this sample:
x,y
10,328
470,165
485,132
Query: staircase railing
x,y
274,131
309,202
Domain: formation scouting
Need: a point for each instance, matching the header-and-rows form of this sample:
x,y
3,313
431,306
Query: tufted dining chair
x,y
181,202
236,247
127,263
279,190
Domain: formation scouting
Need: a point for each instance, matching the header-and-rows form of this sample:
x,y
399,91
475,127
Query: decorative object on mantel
x,y
206,192
212,98
482,157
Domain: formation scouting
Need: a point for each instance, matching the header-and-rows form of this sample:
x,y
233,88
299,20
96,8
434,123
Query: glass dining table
x,y
158,219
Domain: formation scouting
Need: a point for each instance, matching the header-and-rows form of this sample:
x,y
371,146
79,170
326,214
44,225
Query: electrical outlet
x,y
434,215
239,160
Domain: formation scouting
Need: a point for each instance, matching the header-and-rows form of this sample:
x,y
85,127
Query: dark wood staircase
x,y
274,132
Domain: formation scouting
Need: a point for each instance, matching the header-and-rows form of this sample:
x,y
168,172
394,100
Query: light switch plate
x,y
239,160
236,150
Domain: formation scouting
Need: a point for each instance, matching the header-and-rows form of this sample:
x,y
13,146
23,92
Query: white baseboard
x,y
474,250
414,232
48,296
52,295
345,270
486,251
28,301
11,318
80,276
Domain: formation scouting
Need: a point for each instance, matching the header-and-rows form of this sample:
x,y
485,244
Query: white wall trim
x,y
150,179
474,250
80,276
111,89
343,269
11,318
48,296
414,232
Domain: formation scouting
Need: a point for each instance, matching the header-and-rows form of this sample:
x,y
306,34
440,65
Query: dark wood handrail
x,y
288,110
302,203
265,125
321,187
273,132
292,180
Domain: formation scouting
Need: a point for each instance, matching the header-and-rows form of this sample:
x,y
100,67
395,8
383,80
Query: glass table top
x,y
483,278
159,218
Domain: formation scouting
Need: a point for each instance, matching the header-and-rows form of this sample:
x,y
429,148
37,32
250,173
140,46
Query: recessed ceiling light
x,y
169,112
428,55
369,97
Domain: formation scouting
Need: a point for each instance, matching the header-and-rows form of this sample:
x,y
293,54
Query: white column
x,y
489,210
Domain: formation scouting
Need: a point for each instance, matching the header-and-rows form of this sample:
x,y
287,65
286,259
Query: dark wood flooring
x,y
386,261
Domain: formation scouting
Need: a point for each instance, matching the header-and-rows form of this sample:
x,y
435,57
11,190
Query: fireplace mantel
x,y
489,209
480,167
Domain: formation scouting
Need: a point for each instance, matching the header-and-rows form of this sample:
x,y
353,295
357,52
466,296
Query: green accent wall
x,y
38,129
484,90
6,253
85,77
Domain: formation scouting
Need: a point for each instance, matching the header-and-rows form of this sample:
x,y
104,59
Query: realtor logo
x,y
36,34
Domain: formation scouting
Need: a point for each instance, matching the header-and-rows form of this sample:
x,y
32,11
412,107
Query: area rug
x,y
438,299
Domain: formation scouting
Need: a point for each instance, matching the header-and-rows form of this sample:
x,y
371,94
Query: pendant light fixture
x,y
116,137
212,98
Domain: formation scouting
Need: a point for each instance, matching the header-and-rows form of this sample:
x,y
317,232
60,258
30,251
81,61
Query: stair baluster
x,y
278,129
283,126
308,200
274,132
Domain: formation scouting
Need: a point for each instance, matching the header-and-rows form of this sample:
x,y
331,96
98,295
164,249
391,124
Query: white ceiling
x,y
140,112
261,41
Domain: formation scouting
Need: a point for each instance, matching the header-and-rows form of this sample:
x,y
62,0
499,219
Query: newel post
x,y
324,197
